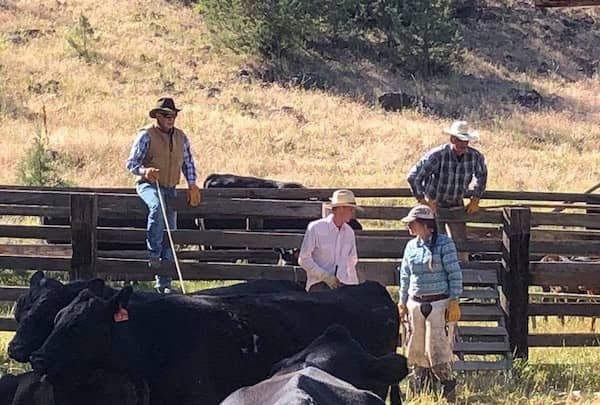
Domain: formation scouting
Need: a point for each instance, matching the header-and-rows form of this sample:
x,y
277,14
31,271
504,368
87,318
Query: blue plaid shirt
x,y
444,177
418,278
140,148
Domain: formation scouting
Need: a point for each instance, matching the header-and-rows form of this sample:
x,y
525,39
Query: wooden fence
x,y
505,242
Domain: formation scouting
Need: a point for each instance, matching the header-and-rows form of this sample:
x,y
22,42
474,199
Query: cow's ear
x,y
36,279
121,298
389,369
97,286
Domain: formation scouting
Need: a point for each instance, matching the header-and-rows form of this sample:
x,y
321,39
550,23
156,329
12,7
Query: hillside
x,y
322,137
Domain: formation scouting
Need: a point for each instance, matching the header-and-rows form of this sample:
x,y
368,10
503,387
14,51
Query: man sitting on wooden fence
x,y
443,175
328,253
158,156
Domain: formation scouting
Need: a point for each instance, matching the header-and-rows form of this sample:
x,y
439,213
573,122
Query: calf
x,y
26,389
581,289
200,349
333,369
35,310
97,387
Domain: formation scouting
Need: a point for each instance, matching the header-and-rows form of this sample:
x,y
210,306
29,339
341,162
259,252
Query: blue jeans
x,y
157,247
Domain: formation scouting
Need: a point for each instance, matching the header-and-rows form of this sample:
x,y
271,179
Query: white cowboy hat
x,y
418,212
460,129
342,198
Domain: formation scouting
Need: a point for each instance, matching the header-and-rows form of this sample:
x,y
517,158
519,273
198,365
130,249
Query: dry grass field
x,y
140,50
336,137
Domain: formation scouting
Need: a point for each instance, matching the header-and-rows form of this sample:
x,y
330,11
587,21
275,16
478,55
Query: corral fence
x,y
506,243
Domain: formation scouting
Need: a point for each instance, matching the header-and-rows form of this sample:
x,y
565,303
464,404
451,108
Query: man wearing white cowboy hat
x,y
443,175
328,253
160,153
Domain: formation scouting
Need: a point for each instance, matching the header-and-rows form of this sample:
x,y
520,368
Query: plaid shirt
x,y
140,148
444,177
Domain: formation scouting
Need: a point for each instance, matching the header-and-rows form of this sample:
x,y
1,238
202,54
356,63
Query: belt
x,y
430,298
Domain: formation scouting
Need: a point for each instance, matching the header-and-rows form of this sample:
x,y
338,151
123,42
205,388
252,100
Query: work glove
x,y
403,311
151,174
473,205
430,203
193,196
332,282
452,311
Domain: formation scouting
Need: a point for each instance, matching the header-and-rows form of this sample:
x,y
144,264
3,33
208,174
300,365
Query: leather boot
x,y
449,392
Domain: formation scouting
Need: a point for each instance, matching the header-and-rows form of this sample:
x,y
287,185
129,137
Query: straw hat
x,y
460,129
418,212
342,198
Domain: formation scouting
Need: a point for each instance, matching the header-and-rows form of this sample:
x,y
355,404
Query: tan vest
x,y
165,154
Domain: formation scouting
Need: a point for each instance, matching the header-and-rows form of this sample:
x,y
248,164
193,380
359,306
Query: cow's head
x,y
340,355
35,312
82,332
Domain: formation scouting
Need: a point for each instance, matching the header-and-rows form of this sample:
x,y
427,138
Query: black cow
x,y
200,349
233,181
289,256
26,389
333,369
97,387
35,310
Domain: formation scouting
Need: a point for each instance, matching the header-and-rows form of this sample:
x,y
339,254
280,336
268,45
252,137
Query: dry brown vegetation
x,y
331,137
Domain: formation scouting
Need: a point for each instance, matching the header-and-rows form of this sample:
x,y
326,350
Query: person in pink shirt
x,y
328,253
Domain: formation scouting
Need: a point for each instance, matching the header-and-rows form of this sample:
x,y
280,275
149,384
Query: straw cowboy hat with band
x,y
342,198
165,105
461,130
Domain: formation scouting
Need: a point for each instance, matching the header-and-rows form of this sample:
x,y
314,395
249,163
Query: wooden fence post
x,y
515,277
84,219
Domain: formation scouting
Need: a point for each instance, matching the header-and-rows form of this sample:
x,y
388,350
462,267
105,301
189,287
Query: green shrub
x,y
425,37
420,35
80,37
37,167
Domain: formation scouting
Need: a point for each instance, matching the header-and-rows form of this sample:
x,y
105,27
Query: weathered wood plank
x,y
35,263
225,207
564,309
36,232
84,219
571,274
556,219
33,210
515,277
122,269
28,197
572,248
35,250
480,294
203,255
11,293
564,339
483,216
302,194
481,347
482,331
8,324
480,313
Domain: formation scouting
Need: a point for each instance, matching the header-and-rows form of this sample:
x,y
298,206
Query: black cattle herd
x,y
260,342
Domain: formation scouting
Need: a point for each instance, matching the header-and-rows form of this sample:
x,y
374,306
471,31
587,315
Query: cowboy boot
x,y
449,391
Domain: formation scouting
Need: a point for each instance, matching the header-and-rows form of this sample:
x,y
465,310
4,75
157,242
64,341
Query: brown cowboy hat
x,y
164,105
